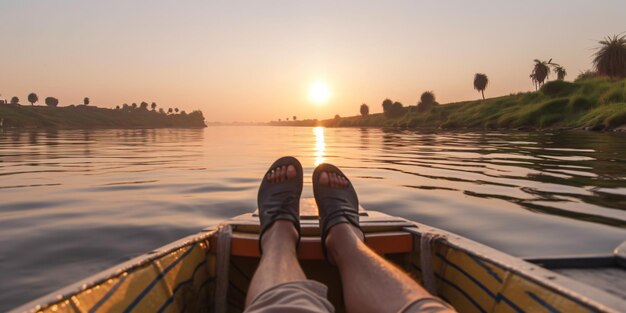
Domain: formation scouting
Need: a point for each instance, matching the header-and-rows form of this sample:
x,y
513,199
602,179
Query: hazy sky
x,y
256,60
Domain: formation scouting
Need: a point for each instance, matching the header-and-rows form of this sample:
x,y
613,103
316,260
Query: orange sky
x,y
256,60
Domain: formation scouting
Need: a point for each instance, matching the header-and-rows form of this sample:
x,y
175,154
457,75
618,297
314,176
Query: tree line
x,y
143,106
33,98
609,61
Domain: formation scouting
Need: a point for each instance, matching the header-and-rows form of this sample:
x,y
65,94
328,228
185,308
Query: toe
x,y
333,180
271,176
324,179
283,173
291,172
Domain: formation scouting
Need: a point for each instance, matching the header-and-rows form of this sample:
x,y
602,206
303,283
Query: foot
x,y
279,196
335,180
344,231
336,200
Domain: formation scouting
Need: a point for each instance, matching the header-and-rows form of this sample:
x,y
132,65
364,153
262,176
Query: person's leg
x,y
370,283
279,262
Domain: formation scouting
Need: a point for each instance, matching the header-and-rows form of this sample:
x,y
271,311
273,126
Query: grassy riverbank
x,y
93,117
598,104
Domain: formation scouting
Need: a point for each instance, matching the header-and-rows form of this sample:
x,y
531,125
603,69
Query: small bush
x,y
588,74
395,110
557,88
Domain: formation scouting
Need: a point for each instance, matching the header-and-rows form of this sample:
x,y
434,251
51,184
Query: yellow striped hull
x,y
210,272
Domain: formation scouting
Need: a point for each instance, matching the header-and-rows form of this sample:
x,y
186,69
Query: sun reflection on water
x,y
320,145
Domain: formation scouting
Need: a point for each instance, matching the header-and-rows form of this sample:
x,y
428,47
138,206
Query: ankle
x,y
342,239
282,235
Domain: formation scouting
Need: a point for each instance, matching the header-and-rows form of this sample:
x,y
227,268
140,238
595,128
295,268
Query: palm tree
x,y
86,101
32,98
610,59
540,72
480,83
560,72
153,106
365,110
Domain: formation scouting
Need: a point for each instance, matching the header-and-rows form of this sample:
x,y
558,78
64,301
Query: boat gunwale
x,y
582,293
65,293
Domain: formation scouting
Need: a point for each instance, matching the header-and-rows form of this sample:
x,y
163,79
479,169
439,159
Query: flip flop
x,y
280,200
336,205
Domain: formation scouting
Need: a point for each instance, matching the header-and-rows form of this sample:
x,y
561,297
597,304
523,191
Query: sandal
x,y
280,200
336,205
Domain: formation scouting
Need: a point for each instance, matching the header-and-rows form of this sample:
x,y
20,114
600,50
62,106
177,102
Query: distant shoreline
x,y
89,117
597,104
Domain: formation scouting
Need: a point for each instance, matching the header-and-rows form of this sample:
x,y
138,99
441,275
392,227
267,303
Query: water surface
x,y
74,202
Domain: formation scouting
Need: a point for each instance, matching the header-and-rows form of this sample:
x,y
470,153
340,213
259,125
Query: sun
x,y
319,93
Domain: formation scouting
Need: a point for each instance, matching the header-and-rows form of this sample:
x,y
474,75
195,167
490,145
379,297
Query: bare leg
x,y
279,262
370,283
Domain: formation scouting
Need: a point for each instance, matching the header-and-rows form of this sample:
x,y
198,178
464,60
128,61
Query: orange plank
x,y
311,248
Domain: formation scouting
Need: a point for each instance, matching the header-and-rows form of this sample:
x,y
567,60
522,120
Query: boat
x,y
210,272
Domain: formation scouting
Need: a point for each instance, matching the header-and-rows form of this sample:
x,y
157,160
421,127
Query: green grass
x,y
598,103
93,117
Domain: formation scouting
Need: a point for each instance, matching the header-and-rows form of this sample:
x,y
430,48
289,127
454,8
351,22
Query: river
x,y
75,202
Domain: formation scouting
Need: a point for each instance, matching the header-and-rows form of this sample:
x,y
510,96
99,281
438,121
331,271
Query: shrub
x,y
365,110
588,74
52,101
557,88
387,105
427,101
395,110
